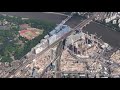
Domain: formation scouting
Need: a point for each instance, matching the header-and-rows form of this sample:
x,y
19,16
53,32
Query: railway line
x,y
86,21
57,58
82,24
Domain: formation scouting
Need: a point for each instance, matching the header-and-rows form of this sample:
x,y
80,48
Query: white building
x,y
114,21
38,50
46,36
118,20
119,25
107,20
52,39
113,17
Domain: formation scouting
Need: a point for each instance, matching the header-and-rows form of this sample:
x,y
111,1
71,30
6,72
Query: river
x,y
55,18
109,36
38,15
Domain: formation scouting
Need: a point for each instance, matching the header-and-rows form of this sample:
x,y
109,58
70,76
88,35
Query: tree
x,y
9,48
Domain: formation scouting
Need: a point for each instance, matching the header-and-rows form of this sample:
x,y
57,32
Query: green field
x,y
13,45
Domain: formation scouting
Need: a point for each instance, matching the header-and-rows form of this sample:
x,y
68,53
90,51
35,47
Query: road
x,y
57,58
38,55
63,37
78,26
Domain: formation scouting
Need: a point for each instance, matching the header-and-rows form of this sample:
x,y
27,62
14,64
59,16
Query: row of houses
x,y
114,17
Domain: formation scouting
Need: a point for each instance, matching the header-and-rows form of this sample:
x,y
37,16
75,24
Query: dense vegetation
x,y
9,38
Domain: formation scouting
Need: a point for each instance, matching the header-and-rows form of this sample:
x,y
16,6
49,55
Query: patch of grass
x,y
9,46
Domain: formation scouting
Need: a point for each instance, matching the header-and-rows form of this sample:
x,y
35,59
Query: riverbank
x,y
55,18
108,35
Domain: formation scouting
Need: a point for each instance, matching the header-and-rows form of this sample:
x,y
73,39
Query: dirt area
x,y
116,56
30,33
40,62
94,66
70,65
115,71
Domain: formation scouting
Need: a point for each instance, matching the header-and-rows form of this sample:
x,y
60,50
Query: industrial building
x,y
85,60
84,56
55,34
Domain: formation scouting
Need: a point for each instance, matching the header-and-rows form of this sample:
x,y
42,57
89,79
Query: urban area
x,y
59,44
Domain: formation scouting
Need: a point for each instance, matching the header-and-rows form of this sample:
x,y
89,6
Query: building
x,y
57,34
46,37
118,20
25,18
111,16
74,38
41,46
63,30
59,28
119,25
52,32
107,20
114,21
52,39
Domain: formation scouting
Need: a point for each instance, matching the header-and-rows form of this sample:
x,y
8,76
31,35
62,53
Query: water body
x,y
38,15
108,35
47,17
74,21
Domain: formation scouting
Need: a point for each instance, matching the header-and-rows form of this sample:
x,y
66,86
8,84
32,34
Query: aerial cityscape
x,y
59,44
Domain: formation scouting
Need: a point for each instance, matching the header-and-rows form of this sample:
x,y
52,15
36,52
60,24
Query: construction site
x,y
69,53
80,55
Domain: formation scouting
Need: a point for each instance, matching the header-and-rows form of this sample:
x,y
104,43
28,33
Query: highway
x,y
82,24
